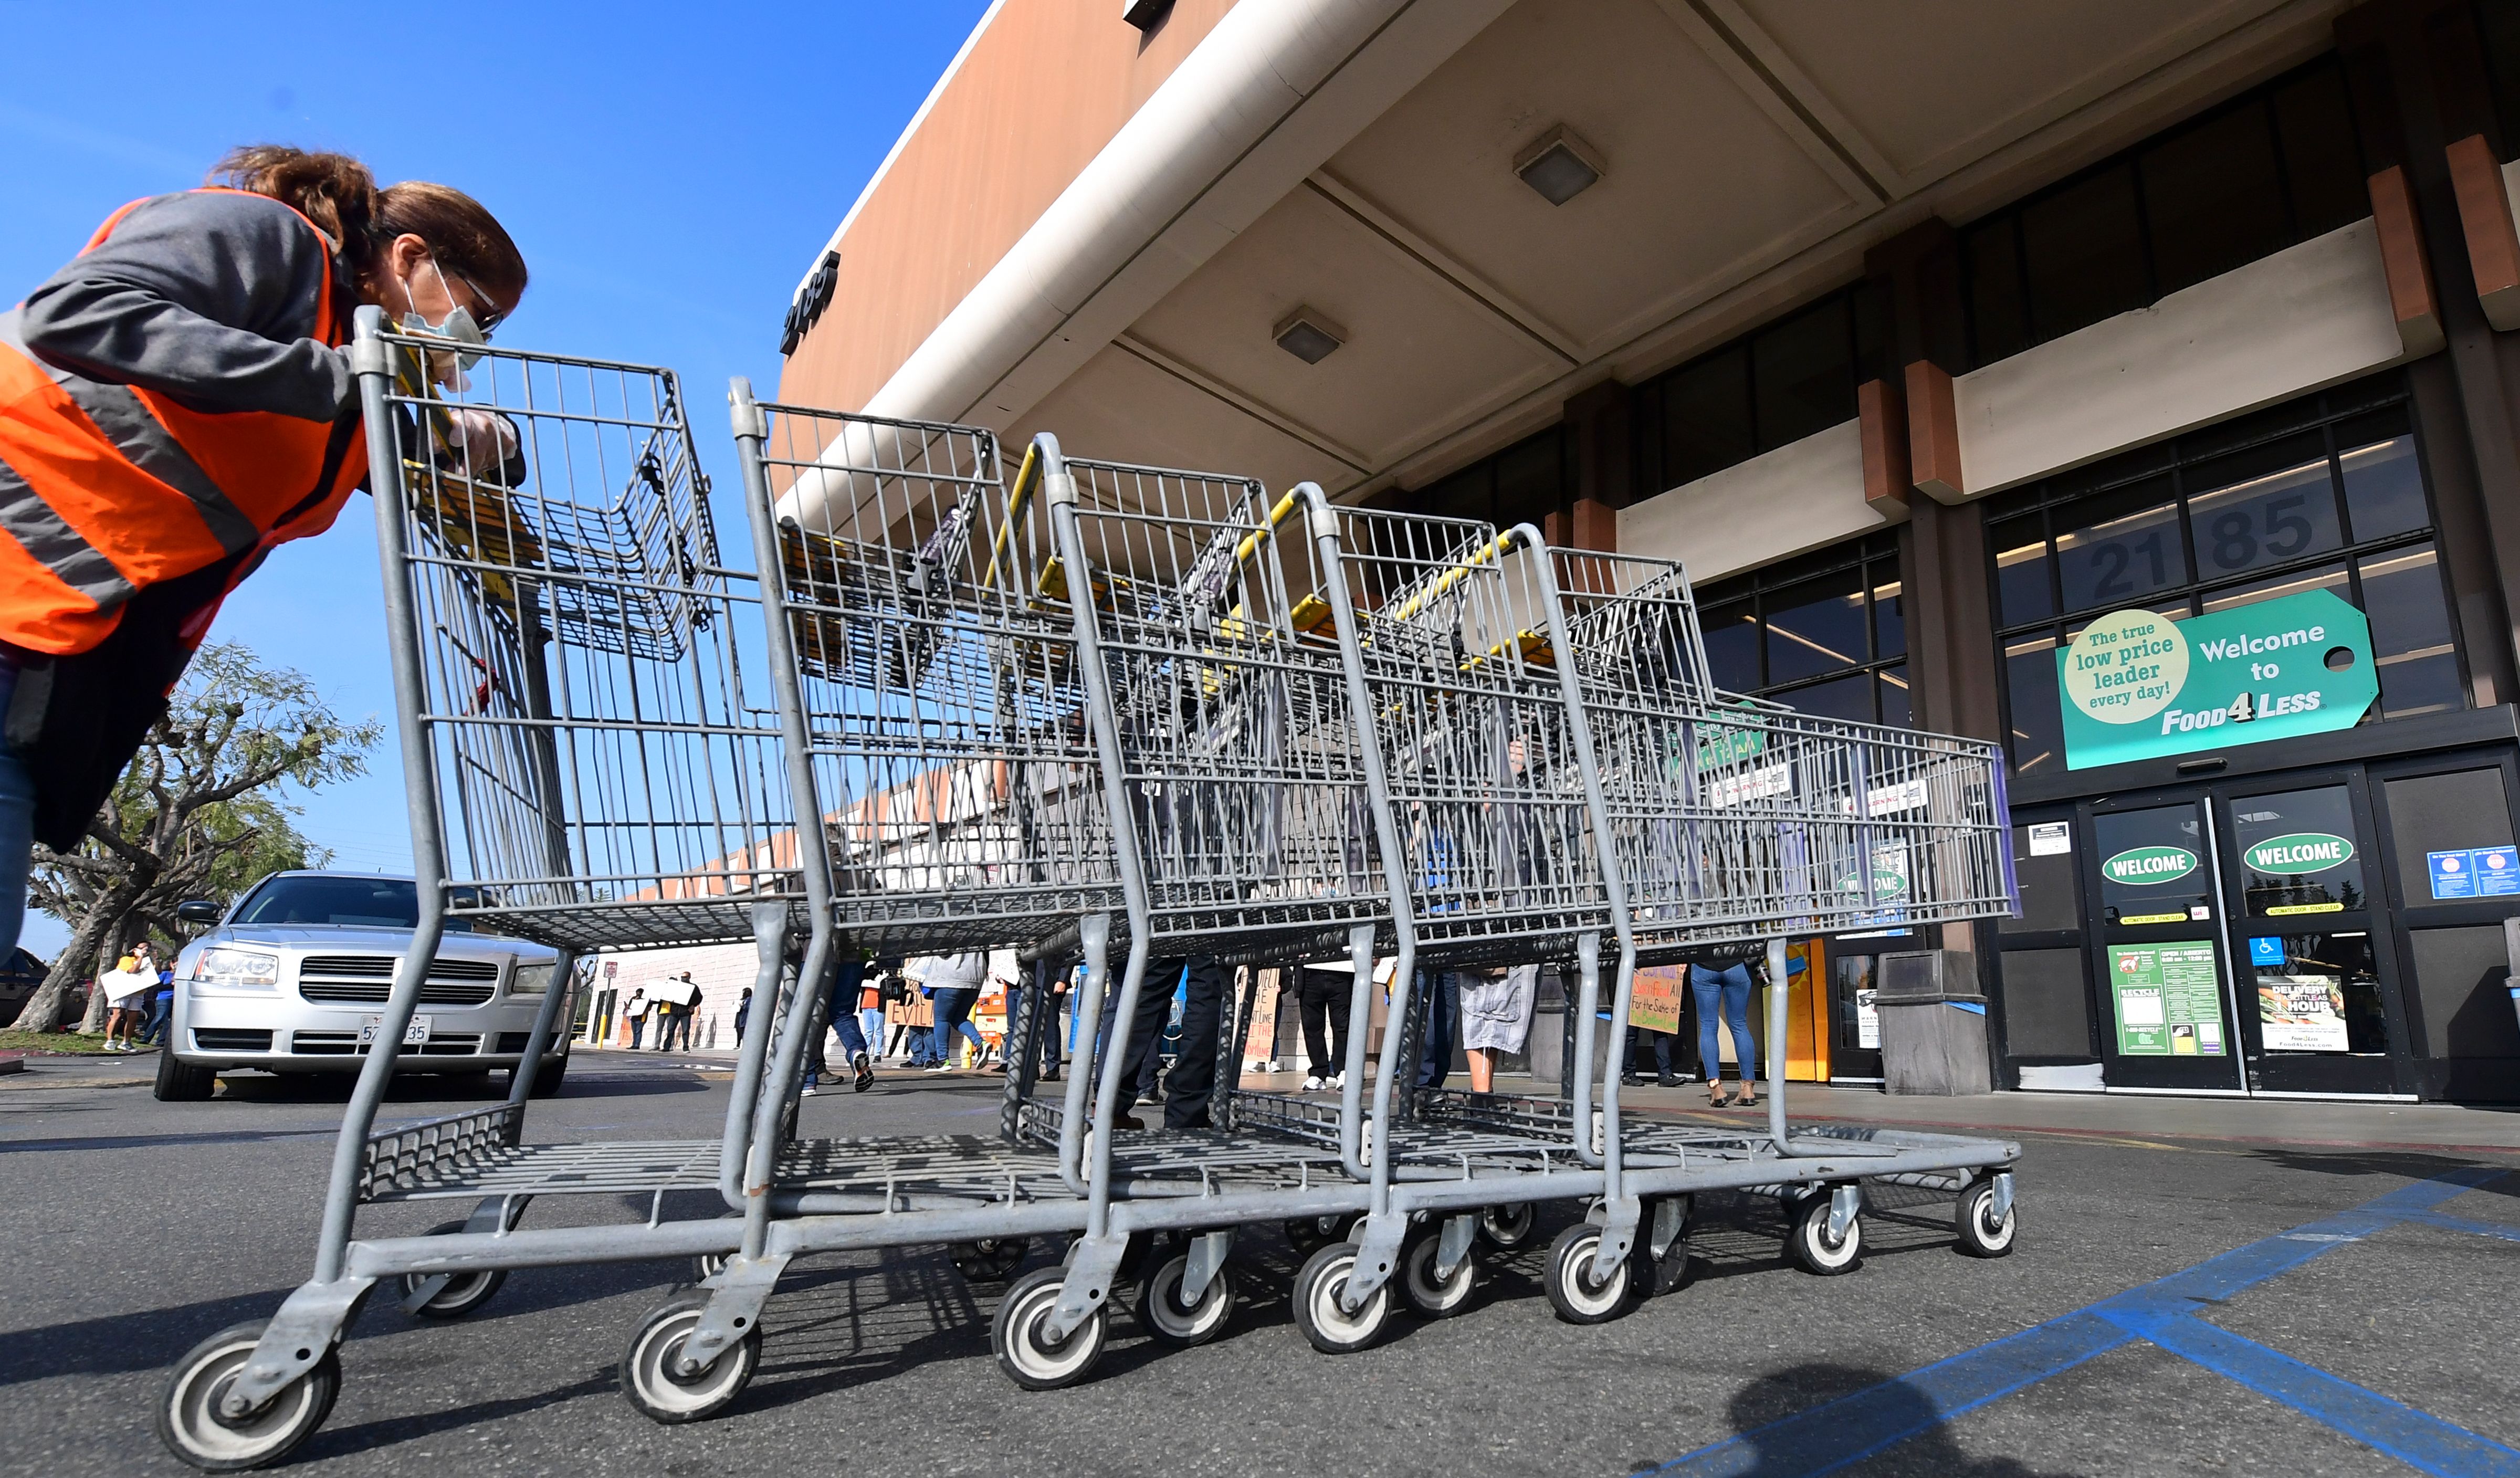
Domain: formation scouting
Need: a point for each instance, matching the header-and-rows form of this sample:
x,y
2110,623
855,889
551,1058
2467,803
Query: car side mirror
x,y
199,911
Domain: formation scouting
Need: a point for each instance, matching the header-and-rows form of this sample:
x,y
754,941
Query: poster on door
x,y
2301,1013
2169,998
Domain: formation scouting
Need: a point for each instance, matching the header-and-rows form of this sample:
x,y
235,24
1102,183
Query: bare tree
x,y
197,814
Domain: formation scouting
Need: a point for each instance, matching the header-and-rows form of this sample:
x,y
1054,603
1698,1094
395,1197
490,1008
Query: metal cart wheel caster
x,y
1659,1275
1508,1229
1430,1296
1027,1353
1572,1292
1332,1330
463,1291
1810,1244
651,1376
189,1421
990,1260
708,1265
1982,1234
1167,1320
1309,1234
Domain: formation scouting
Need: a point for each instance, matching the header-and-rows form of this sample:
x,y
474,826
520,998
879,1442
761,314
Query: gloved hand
x,y
477,440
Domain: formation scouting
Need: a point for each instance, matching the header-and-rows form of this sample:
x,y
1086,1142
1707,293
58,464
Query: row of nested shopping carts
x,y
1145,714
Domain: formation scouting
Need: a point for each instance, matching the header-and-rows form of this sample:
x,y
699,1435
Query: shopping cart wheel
x,y
1433,1297
1572,1292
1334,1330
1809,1242
990,1260
189,1421
463,1291
1168,1321
1981,1232
650,1376
1508,1229
1025,1349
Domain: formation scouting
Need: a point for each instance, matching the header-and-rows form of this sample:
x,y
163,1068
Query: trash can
x,y
1933,1023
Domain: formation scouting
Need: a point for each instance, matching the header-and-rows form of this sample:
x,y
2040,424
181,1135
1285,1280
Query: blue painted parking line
x,y
1852,1428
2417,1439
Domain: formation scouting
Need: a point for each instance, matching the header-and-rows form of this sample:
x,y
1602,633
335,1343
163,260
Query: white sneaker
x,y
1334,1081
1312,1085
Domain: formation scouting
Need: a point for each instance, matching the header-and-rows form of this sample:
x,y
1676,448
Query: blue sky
x,y
669,171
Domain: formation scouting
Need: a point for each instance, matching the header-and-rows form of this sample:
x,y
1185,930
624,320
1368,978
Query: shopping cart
x,y
1487,846
1733,820
585,767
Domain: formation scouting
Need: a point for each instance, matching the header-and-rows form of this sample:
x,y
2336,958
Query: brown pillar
x,y
1600,435
2419,89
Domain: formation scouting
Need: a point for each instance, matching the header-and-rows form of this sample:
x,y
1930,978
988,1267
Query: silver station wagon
x,y
294,979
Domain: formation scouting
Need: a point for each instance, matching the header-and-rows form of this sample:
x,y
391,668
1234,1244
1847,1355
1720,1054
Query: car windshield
x,y
381,903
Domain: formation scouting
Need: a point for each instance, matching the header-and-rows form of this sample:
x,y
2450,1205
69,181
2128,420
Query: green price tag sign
x,y
2137,684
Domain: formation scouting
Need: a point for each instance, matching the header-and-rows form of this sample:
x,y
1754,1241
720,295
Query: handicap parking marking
x,y
2162,1313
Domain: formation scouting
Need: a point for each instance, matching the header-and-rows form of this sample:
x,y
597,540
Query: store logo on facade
x,y
2146,866
2300,852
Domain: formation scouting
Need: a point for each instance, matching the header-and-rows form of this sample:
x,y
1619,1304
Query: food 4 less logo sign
x,y
2134,684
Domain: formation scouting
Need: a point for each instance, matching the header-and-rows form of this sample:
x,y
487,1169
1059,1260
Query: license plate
x,y
412,1036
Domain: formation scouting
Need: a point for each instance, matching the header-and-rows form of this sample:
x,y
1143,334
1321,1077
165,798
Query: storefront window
x,y
2317,993
2271,167
2299,853
2327,493
2154,865
1826,633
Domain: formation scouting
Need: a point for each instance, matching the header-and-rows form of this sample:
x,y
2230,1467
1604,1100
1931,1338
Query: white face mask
x,y
458,325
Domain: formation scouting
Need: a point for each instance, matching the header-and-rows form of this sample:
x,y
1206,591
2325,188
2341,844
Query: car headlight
x,y
234,970
529,979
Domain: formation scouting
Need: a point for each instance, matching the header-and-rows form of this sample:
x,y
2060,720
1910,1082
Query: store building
x,y
2132,382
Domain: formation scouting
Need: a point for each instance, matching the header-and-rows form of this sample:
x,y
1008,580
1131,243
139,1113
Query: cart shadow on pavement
x,y
122,1344
343,1442
1782,1433
2410,1165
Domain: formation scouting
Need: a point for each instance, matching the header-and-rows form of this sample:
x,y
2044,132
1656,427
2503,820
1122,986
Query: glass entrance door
x,y
2319,1008
2159,947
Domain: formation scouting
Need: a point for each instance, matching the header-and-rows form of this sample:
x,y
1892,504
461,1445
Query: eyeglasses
x,y
488,318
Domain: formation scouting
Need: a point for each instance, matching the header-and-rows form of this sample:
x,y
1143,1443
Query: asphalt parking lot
x,y
2179,1302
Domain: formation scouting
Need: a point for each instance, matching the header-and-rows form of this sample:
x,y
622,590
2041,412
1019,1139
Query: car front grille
x,y
346,1045
375,993
368,979
213,1039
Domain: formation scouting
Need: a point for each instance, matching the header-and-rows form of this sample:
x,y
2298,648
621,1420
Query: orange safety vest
x,y
108,489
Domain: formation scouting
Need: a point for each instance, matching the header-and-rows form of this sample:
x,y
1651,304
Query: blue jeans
x,y
842,1018
953,1005
1439,999
17,826
1728,990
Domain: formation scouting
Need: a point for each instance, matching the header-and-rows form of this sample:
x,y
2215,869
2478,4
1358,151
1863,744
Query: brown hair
x,y
462,233
339,196
332,190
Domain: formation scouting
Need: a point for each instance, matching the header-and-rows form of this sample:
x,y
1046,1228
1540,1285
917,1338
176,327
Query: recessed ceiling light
x,y
1560,165
1308,335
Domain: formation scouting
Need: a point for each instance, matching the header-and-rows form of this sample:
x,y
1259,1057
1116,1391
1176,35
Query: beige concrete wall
x,y
2307,316
1798,497
1039,91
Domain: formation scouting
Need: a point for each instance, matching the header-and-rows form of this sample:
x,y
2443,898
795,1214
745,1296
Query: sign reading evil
x,y
2136,684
